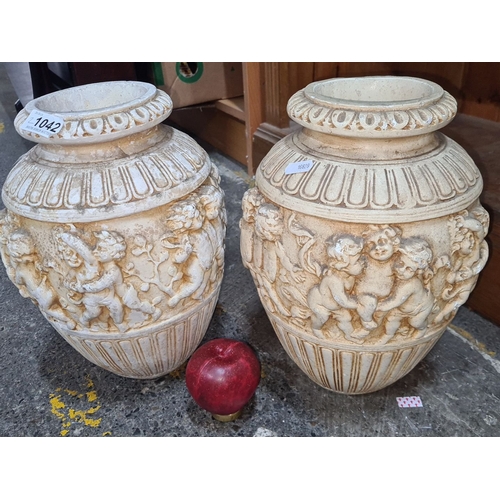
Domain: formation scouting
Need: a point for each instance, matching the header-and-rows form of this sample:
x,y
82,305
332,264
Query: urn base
x,y
146,353
350,369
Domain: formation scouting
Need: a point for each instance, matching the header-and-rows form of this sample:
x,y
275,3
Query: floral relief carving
x,y
372,286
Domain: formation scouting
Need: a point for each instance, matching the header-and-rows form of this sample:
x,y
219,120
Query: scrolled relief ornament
x,y
363,260
115,228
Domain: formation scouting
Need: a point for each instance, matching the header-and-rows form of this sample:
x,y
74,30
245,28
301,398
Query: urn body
x,y
364,233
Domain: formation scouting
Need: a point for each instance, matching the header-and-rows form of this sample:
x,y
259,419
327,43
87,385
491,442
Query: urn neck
x,y
373,149
77,154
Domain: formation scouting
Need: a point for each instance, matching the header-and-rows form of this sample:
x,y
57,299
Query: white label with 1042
x,y
43,124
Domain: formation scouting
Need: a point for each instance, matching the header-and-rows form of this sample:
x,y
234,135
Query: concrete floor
x,y
45,383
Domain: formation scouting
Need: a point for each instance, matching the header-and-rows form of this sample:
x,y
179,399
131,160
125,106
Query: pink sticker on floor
x,y
409,402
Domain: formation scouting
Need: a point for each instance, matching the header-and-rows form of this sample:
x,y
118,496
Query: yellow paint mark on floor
x,y
62,402
2,127
466,335
57,405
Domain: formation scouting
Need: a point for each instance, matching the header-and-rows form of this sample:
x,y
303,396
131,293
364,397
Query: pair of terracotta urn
x,y
364,233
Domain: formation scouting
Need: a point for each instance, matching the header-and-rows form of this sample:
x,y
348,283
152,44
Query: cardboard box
x,y
194,83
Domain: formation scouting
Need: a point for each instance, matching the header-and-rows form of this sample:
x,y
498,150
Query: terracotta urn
x,y
364,233
114,226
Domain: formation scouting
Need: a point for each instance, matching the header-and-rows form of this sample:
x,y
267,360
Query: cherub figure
x,y
211,201
193,252
76,254
270,256
331,297
110,248
102,277
381,246
30,278
9,222
469,256
96,281
252,200
411,298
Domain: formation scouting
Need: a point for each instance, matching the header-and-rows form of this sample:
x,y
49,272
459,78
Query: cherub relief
x,y
411,298
380,280
9,222
377,284
271,258
187,259
469,256
95,280
331,297
262,227
93,275
101,290
211,201
381,247
251,202
31,279
192,252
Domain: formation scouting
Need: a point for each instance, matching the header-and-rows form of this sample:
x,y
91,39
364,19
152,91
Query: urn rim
x,y
99,112
373,106
375,92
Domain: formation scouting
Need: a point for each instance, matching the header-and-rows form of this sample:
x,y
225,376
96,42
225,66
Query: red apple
x,y
222,376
